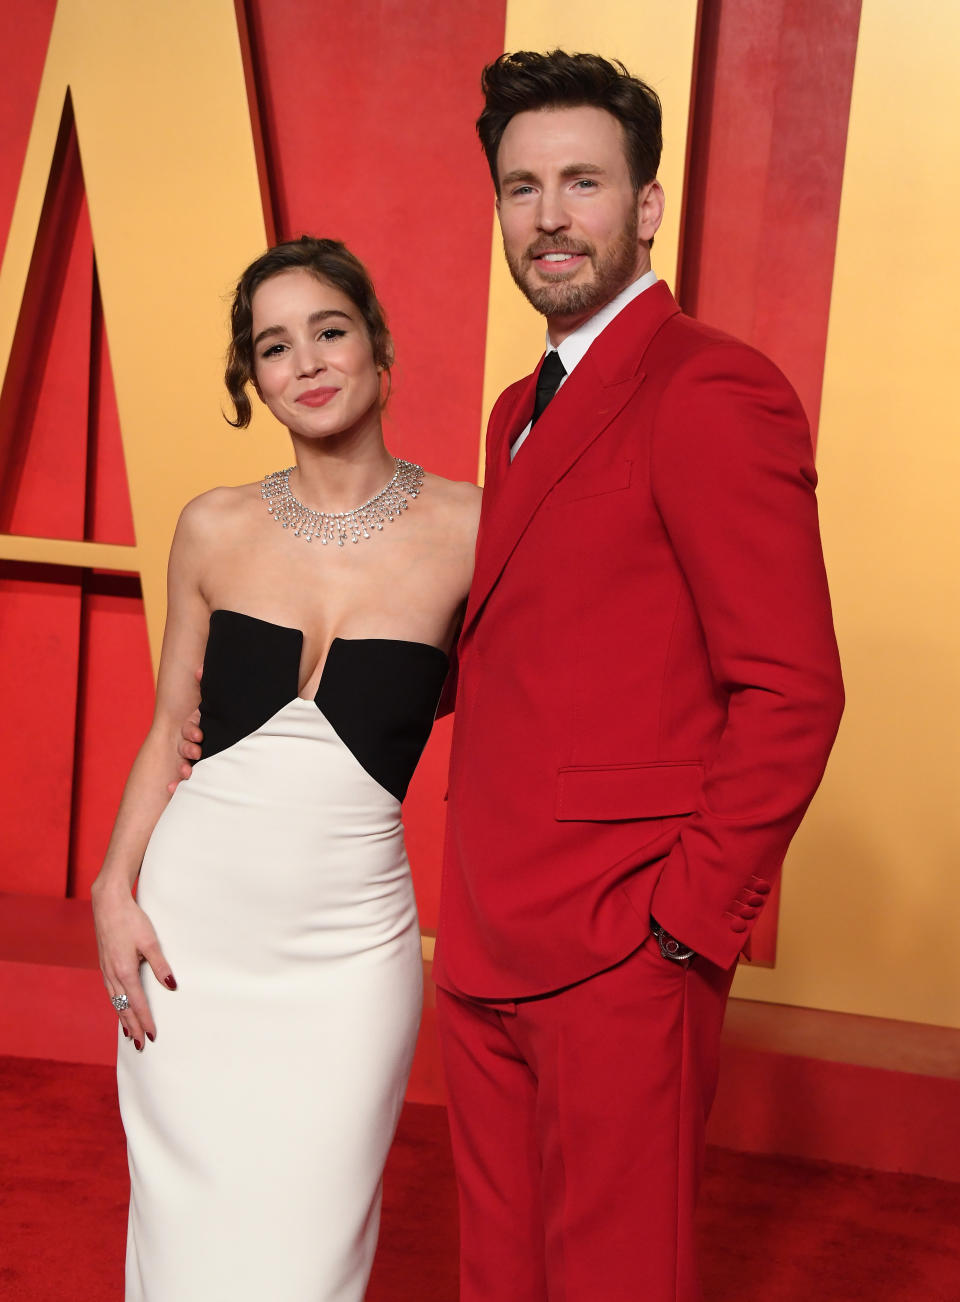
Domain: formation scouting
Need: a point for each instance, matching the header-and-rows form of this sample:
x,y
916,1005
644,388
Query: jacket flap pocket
x,y
626,791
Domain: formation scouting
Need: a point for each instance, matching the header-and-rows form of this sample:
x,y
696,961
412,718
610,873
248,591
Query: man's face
x,y
574,230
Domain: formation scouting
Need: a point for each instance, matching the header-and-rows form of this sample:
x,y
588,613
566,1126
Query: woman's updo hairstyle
x,y
328,260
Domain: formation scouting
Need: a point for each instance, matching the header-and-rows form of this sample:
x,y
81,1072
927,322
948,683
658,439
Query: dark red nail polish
x,y
150,1037
137,1044
125,1032
170,982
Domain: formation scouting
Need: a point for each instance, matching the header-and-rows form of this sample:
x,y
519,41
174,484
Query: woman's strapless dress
x,y
259,1122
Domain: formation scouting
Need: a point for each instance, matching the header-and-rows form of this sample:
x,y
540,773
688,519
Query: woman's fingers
x,y
191,739
114,992
127,938
153,955
133,1031
188,748
135,1018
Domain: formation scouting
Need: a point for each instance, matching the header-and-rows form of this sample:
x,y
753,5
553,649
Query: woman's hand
x,y
125,937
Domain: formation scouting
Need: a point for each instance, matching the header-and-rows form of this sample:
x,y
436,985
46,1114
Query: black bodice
x,y
379,695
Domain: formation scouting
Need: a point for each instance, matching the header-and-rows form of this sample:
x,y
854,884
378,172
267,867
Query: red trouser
x,y
577,1121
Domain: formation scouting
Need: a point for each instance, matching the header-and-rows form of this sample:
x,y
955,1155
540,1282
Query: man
x,y
649,689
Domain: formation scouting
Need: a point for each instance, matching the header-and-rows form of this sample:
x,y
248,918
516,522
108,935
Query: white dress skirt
x,y
259,1122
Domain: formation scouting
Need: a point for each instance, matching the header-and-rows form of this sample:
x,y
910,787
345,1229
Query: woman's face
x,y
312,358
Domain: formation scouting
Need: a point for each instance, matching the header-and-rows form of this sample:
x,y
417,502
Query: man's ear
x,y
650,206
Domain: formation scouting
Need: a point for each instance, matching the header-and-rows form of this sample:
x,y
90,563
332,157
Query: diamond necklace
x,y
341,526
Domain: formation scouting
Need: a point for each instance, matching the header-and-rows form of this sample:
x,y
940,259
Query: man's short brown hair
x,y
524,81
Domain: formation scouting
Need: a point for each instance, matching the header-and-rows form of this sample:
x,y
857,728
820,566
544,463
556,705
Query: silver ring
x,y
120,1002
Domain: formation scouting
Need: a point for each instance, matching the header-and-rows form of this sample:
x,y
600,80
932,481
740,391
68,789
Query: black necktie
x,y
548,382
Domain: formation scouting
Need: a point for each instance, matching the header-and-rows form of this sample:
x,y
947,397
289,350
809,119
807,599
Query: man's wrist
x,y
670,947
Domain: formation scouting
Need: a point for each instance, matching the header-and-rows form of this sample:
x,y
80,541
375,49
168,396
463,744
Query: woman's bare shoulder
x,y
216,508
456,497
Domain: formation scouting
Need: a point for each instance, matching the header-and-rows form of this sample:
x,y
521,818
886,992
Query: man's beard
x,y
612,272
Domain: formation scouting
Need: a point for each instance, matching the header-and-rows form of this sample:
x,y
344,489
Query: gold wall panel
x,y
171,179
871,899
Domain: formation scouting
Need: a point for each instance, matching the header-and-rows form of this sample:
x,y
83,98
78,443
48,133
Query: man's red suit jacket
x,y
648,676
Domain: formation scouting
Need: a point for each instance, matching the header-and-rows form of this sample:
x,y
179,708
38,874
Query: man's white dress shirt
x,y
573,348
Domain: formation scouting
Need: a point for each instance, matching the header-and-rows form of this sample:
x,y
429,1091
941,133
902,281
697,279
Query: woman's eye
x,y
273,351
332,333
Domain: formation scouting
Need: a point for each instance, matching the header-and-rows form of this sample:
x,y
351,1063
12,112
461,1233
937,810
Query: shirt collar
x,y
573,348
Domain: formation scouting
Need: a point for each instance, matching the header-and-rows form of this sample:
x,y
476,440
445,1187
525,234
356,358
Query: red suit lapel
x,y
595,393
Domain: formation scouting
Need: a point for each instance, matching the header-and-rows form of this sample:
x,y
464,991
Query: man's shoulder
x,y
686,336
654,334
688,348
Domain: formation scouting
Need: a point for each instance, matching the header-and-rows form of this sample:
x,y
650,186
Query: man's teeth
x,y
556,257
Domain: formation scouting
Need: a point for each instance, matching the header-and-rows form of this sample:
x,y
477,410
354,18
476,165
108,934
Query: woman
x,y
275,884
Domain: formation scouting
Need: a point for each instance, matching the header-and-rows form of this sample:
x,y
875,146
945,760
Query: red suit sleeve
x,y
733,479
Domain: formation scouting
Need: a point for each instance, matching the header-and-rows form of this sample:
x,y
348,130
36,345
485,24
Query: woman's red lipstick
x,y
317,397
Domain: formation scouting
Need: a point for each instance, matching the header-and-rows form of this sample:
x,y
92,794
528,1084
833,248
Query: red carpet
x,y
773,1230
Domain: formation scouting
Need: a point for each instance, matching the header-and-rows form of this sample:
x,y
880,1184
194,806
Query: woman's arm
x,y
125,935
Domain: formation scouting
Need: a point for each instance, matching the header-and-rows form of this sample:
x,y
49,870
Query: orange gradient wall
x,y
871,898
151,152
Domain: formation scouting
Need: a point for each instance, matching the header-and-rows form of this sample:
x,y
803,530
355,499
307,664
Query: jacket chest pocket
x,y
579,484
